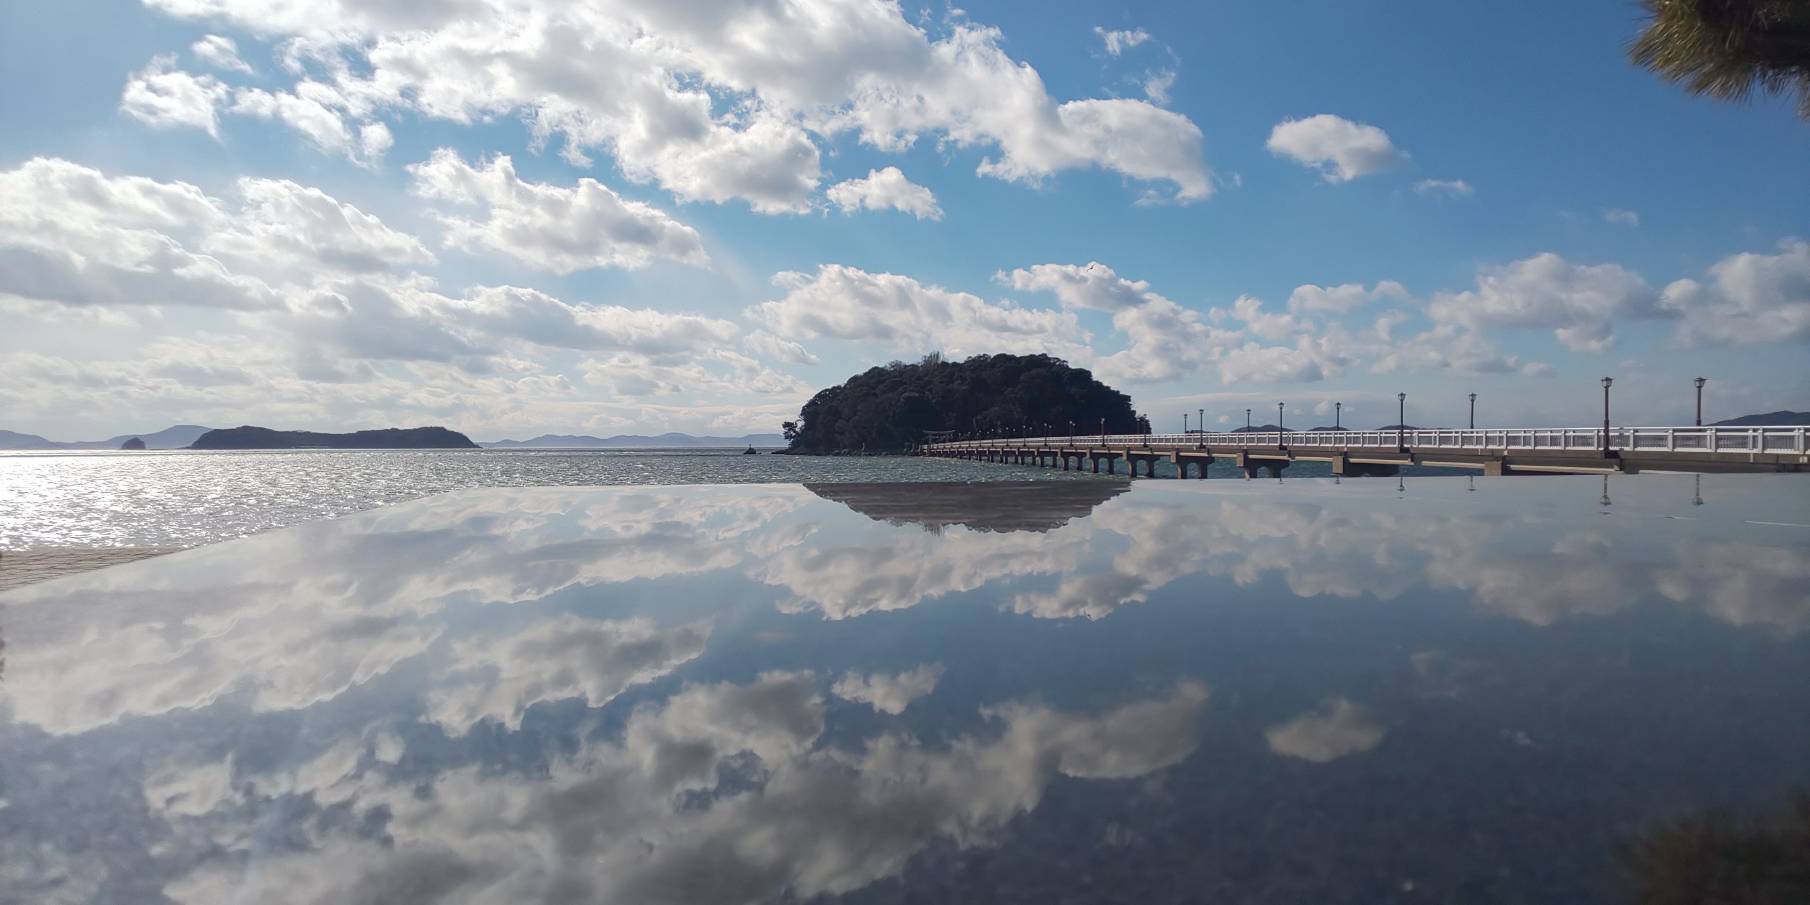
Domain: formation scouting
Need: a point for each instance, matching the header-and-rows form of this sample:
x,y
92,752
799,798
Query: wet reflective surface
x,y
1084,691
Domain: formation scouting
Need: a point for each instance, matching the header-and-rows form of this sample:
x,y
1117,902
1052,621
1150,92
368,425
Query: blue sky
x,y
226,211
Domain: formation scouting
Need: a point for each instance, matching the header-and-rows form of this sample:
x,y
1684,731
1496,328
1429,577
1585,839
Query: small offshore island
x,y
248,437
892,409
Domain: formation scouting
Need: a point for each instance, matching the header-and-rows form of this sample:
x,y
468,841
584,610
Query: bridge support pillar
x,y
1182,460
1344,467
1495,468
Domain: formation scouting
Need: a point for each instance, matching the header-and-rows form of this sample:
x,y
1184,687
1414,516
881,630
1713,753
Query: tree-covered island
x,y
898,406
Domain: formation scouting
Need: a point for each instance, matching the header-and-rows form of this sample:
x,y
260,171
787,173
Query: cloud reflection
x,y
769,810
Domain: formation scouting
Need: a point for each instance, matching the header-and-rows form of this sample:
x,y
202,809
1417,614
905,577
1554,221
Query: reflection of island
x,y
988,506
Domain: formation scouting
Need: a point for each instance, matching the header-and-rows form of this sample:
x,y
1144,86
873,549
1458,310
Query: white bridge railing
x,y
1784,440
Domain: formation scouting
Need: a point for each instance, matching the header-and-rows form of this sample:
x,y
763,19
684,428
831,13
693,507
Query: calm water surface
x,y
181,498
1079,691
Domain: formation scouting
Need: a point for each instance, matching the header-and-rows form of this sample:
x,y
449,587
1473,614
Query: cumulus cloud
x,y
846,303
1256,363
1164,339
1343,298
1749,297
163,96
1341,150
220,53
684,99
771,347
312,110
549,227
885,189
1118,41
1443,188
1579,302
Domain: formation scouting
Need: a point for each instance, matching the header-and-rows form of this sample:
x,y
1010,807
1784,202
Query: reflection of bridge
x,y
1489,450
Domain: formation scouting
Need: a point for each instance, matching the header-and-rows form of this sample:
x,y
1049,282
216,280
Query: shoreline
x,y
19,568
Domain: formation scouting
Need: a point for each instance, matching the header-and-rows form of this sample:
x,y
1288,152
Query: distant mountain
x,y
248,437
1769,419
16,440
176,437
636,441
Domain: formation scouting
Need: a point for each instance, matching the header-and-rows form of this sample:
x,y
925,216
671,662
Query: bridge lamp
x,y
1184,422
1473,410
1280,440
1337,410
1607,382
1700,382
1401,420
1247,420
1200,424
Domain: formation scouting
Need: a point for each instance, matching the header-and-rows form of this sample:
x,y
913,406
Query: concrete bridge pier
x,y
1182,460
1146,459
1111,458
1251,465
1343,466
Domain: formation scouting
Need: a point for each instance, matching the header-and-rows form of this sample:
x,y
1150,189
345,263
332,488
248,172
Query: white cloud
x,y
885,189
1118,41
1580,303
1749,298
728,103
1164,340
549,227
768,346
220,53
1254,363
1343,298
889,693
1341,150
1337,729
709,373
161,95
285,227
1443,188
898,312
1157,85
1621,217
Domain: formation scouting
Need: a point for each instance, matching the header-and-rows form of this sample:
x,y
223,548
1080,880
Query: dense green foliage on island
x,y
895,407
248,437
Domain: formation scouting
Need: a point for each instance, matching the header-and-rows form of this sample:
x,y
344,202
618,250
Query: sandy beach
x,y
22,567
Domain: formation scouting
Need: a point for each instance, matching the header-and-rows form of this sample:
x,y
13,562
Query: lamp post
x,y
1337,410
1607,382
1071,434
1700,382
1184,424
1247,421
1102,433
1401,421
1200,424
1473,411
1281,441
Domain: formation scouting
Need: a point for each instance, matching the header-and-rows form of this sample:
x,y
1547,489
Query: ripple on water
x,y
182,498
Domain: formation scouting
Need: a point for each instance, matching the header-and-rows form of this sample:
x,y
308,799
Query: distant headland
x,y
248,437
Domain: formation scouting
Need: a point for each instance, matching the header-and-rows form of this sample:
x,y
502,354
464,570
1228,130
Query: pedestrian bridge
x,y
1499,451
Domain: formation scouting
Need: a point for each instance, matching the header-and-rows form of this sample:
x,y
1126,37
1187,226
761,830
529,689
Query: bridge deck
x,y
1493,450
